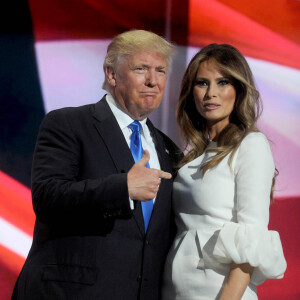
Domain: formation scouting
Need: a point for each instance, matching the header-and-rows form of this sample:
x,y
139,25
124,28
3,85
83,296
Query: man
x,y
94,236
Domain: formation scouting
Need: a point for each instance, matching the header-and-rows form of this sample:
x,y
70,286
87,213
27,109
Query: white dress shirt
x,y
124,121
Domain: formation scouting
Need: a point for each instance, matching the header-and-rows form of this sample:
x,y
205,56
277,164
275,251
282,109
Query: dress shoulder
x,y
255,137
255,154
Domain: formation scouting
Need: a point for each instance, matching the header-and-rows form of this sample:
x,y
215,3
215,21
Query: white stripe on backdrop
x,y
71,75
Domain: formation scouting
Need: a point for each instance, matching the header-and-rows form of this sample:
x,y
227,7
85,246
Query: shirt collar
x,y
122,118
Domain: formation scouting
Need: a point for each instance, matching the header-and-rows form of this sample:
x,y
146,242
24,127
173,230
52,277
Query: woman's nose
x,y
211,91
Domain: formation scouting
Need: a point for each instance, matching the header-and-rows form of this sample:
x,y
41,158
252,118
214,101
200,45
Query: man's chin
x,y
151,103
144,113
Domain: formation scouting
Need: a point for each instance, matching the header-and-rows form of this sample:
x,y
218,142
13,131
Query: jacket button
x,y
139,278
147,242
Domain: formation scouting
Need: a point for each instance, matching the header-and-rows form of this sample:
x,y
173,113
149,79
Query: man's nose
x,y
151,78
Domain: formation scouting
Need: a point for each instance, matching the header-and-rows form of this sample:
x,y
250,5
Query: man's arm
x,y
57,190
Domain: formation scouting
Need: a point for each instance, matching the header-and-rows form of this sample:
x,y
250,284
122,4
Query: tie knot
x,y
135,126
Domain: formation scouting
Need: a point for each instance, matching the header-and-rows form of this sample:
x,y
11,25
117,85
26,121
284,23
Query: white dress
x,y
220,218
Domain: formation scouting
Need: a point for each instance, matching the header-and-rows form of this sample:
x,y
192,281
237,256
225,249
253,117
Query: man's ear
x,y
110,76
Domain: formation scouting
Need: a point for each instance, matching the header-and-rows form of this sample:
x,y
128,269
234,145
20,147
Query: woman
x,y
223,248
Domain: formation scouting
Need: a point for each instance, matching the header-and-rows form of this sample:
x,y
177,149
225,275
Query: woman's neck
x,y
213,130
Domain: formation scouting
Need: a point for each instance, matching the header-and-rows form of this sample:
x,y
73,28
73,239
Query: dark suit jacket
x,y
88,243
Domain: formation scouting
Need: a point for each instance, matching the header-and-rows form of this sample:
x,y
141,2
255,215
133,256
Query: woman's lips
x,y
211,106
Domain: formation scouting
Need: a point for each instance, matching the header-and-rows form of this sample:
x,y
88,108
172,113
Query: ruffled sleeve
x,y
247,239
253,244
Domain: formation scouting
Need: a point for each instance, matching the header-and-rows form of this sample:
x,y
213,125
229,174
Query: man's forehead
x,y
147,57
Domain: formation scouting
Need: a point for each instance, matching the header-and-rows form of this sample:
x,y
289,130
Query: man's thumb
x,y
145,158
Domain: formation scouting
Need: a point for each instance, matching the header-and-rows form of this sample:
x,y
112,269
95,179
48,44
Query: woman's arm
x,y
254,171
247,240
239,278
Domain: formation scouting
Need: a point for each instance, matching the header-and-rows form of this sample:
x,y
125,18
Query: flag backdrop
x,y
51,55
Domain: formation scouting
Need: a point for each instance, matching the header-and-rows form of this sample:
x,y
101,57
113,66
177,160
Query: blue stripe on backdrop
x,y
21,101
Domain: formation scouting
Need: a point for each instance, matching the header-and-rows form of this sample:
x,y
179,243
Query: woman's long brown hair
x,y
247,108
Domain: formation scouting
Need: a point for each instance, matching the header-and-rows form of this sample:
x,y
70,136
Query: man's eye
x,y
162,71
139,69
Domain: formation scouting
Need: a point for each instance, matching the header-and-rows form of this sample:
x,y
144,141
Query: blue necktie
x,y
136,149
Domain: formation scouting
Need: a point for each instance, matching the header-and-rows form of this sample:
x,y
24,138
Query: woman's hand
x,y
238,280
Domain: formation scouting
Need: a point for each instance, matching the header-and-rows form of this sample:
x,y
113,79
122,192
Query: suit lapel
x,y
111,134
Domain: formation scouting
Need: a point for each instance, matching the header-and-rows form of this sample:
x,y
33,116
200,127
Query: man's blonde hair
x,y
132,42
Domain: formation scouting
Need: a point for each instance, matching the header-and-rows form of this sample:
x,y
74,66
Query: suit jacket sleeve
x,y
57,189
